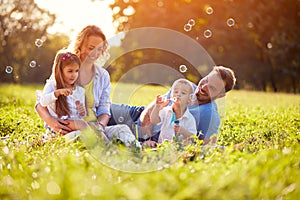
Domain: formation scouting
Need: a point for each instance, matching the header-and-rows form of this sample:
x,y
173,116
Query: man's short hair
x,y
227,76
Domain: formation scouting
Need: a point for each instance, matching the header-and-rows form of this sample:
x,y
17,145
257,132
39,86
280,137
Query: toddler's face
x,y
181,93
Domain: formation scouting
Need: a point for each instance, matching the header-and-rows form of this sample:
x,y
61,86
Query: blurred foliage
x,y
262,44
264,126
25,44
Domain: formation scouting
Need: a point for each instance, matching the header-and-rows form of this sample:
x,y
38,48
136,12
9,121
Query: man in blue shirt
x,y
211,87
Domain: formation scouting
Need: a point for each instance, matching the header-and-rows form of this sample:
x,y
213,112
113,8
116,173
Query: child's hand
x,y
80,108
64,92
177,128
162,101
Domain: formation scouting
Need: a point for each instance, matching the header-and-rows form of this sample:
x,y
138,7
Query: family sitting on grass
x,y
77,97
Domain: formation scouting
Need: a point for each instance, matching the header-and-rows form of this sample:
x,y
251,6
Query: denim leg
x,y
125,114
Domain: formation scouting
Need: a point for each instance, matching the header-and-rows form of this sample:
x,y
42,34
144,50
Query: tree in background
x,y
259,39
24,57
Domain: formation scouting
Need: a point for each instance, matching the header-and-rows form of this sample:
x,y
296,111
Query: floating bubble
x,y
192,22
207,33
9,69
230,22
182,68
174,99
187,27
250,25
269,45
209,10
39,42
121,119
32,64
160,4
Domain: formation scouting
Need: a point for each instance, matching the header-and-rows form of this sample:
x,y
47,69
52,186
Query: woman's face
x,y
92,48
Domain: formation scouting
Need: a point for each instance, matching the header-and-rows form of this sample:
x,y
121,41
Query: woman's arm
x,y
58,125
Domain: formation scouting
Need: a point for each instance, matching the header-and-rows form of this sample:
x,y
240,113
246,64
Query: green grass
x,y
267,166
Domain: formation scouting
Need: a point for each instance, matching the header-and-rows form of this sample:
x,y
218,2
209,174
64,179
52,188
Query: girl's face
x,y
182,93
92,48
70,74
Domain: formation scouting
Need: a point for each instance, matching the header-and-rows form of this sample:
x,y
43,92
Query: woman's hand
x,y
58,125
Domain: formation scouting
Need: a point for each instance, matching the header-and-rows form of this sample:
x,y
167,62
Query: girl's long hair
x,y
61,60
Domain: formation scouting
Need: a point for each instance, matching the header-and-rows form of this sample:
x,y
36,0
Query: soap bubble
x,y
207,33
269,45
121,119
230,22
187,27
9,69
209,10
38,42
174,99
192,22
32,64
182,68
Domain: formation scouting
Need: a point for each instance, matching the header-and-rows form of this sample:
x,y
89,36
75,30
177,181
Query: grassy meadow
x,y
266,165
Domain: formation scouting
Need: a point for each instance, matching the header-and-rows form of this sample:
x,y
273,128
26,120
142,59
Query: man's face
x,y
210,88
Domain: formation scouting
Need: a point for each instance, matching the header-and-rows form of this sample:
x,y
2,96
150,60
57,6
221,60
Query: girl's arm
x,y
48,96
50,93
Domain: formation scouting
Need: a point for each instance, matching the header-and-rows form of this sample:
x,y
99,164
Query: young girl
x,y
61,95
175,118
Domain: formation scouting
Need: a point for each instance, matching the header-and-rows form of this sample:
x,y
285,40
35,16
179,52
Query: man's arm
x,y
208,123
